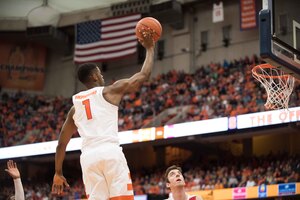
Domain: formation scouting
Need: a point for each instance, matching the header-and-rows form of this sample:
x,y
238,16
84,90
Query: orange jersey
x,y
96,119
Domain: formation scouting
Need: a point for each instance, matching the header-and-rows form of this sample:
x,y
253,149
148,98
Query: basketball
x,y
149,22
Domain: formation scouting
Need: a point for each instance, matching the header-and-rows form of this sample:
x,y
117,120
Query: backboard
x,y
279,34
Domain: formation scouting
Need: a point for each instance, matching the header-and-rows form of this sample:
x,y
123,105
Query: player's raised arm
x,y
66,133
114,92
14,172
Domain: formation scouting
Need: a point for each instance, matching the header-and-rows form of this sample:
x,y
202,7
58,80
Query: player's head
x,y
174,177
89,73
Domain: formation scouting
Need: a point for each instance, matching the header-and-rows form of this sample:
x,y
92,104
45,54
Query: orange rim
x,y
266,66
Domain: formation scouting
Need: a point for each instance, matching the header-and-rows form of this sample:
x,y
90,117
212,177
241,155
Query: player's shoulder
x,y
190,198
87,93
170,197
198,198
194,197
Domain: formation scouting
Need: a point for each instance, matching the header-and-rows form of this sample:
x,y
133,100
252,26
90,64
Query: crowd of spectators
x,y
229,173
42,191
202,175
31,118
216,90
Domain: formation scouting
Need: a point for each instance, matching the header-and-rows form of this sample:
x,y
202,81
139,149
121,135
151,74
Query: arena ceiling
x,y
16,15
22,8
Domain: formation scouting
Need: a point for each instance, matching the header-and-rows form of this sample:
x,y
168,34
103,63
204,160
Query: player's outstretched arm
x,y
13,171
66,133
115,92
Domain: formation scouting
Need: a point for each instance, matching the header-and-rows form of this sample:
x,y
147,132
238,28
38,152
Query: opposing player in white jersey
x,y
175,182
95,116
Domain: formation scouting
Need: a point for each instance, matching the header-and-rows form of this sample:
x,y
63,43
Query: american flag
x,y
107,39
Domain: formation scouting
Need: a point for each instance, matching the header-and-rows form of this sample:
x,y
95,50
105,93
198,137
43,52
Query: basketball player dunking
x,y
176,183
95,116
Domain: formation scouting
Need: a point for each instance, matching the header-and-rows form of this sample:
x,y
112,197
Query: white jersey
x,y
96,119
189,197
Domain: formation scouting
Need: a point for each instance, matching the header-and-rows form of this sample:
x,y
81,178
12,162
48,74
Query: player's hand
x,y
147,40
59,181
12,169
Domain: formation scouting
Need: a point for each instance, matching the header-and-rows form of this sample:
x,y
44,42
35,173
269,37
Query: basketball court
x,y
210,145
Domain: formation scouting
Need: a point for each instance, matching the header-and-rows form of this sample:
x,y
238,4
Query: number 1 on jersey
x,y
87,107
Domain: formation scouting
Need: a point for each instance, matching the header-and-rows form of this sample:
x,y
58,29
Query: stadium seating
x,y
203,175
216,90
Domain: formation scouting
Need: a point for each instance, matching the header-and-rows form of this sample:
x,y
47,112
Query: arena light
x,y
28,150
126,137
169,131
196,127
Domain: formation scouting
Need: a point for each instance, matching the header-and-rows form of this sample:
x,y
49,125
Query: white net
x,y
278,84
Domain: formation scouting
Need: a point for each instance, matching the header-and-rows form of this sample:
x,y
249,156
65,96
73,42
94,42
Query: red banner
x,y
22,66
248,14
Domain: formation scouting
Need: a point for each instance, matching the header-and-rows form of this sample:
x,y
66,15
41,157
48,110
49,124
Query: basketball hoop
x,y
278,84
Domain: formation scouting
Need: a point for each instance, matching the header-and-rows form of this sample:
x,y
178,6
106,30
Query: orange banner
x,y
22,67
248,14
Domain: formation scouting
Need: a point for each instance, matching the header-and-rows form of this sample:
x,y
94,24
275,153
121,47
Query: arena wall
x,y
182,50
60,75
276,143
242,43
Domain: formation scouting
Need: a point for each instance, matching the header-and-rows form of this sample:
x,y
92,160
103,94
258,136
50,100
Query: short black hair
x,y
85,71
170,169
